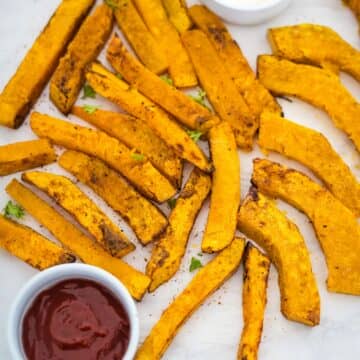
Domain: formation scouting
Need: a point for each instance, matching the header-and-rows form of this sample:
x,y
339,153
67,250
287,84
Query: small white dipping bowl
x,y
48,278
246,12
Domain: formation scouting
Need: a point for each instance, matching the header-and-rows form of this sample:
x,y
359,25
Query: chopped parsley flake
x,y
171,203
13,210
195,264
90,109
137,156
194,134
167,79
89,92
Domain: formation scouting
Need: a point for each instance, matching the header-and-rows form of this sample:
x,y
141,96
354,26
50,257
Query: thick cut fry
x,y
143,43
140,172
255,95
73,200
314,151
170,248
256,273
177,103
26,85
261,220
31,247
68,77
220,89
108,85
205,282
335,225
178,15
180,67
136,134
144,218
317,45
225,192
85,248
318,87
25,155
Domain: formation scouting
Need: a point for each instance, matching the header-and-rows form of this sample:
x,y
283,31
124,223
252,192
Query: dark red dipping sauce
x,y
75,320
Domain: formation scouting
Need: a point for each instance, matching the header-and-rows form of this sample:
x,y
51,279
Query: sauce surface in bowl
x,y
75,319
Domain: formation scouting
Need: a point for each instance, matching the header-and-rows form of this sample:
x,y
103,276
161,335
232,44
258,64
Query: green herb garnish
x,y
89,92
137,156
119,76
90,109
200,98
13,210
194,134
195,264
171,203
112,4
200,254
167,79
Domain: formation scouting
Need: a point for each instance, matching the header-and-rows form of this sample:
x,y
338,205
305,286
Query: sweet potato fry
x,y
26,85
225,192
335,225
141,40
108,85
255,95
181,106
180,67
170,248
205,282
261,220
178,15
85,248
136,134
144,218
256,273
140,172
316,86
68,77
312,149
220,89
25,155
31,247
74,201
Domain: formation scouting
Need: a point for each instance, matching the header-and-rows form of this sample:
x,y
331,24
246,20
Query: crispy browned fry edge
x,y
225,191
136,134
180,67
87,250
354,5
30,246
180,105
255,95
315,44
84,210
26,85
316,86
141,40
178,14
128,98
69,76
256,273
335,225
170,248
25,155
145,219
312,149
205,282
220,88
140,172
261,220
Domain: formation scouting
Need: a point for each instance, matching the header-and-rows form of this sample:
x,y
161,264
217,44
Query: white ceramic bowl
x,y
248,12
50,277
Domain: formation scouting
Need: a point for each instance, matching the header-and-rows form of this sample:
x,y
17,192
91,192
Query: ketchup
x,y
75,320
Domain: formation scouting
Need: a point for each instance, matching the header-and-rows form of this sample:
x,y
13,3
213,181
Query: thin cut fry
x,y
108,85
261,220
88,251
26,85
68,77
177,12
180,67
31,247
220,88
205,282
312,149
25,155
225,191
143,43
140,172
144,218
255,95
73,200
318,87
335,225
170,248
181,106
256,273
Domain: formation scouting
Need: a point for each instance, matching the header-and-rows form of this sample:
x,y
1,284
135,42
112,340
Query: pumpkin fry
x,y
178,15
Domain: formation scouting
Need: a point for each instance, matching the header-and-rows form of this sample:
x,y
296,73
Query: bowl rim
x,y
233,5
